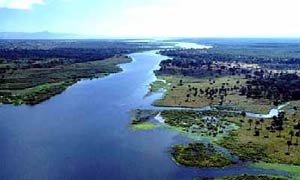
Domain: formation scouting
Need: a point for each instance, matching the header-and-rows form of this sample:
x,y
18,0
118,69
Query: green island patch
x,y
145,126
199,155
144,120
202,124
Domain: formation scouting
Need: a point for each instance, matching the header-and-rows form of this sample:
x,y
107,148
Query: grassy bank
x,y
249,177
145,126
293,170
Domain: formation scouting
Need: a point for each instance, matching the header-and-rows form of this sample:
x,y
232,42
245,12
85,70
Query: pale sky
x,y
154,18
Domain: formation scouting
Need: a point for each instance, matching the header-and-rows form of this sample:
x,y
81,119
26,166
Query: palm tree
x,y
250,121
297,134
280,129
295,110
261,122
268,130
289,143
256,124
292,134
256,133
243,113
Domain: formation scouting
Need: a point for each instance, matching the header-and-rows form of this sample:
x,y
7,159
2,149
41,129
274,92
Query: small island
x,y
199,155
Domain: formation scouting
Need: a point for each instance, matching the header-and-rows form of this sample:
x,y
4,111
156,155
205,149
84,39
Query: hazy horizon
x,y
154,18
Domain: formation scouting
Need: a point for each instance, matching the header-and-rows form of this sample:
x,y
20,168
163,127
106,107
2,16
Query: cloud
x,y
19,4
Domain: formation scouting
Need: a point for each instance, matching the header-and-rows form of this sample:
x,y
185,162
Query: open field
x,y
254,141
181,92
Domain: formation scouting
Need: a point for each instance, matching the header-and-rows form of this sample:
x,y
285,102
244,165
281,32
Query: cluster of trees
x,y
277,87
22,54
195,59
204,123
199,68
262,83
38,58
211,55
210,92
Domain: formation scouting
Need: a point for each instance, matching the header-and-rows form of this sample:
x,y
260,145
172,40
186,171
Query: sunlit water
x,y
84,133
192,45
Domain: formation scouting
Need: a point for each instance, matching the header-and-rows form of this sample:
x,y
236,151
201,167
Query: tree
x,y
257,123
243,113
261,123
268,130
289,143
297,134
250,121
295,110
180,82
291,133
279,129
256,133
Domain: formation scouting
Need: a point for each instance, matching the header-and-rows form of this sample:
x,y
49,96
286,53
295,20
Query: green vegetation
x,y
249,177
293,170
245,151
32,71
144,120
140,116
145,126
249,77
268,140
270,48
199,155
222,92
256,140
157,85
36,94
34,85
204,124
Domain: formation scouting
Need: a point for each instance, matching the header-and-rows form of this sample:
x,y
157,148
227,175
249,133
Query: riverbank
x,y
253,139
249,139
293,170
65,76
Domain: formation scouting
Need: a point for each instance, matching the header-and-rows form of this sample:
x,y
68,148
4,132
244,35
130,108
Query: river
x,y
84,133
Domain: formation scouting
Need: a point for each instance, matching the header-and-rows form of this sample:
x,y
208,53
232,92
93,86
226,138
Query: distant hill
x,y
39,35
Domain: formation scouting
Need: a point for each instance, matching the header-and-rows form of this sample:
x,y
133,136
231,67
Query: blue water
x,y
84,133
